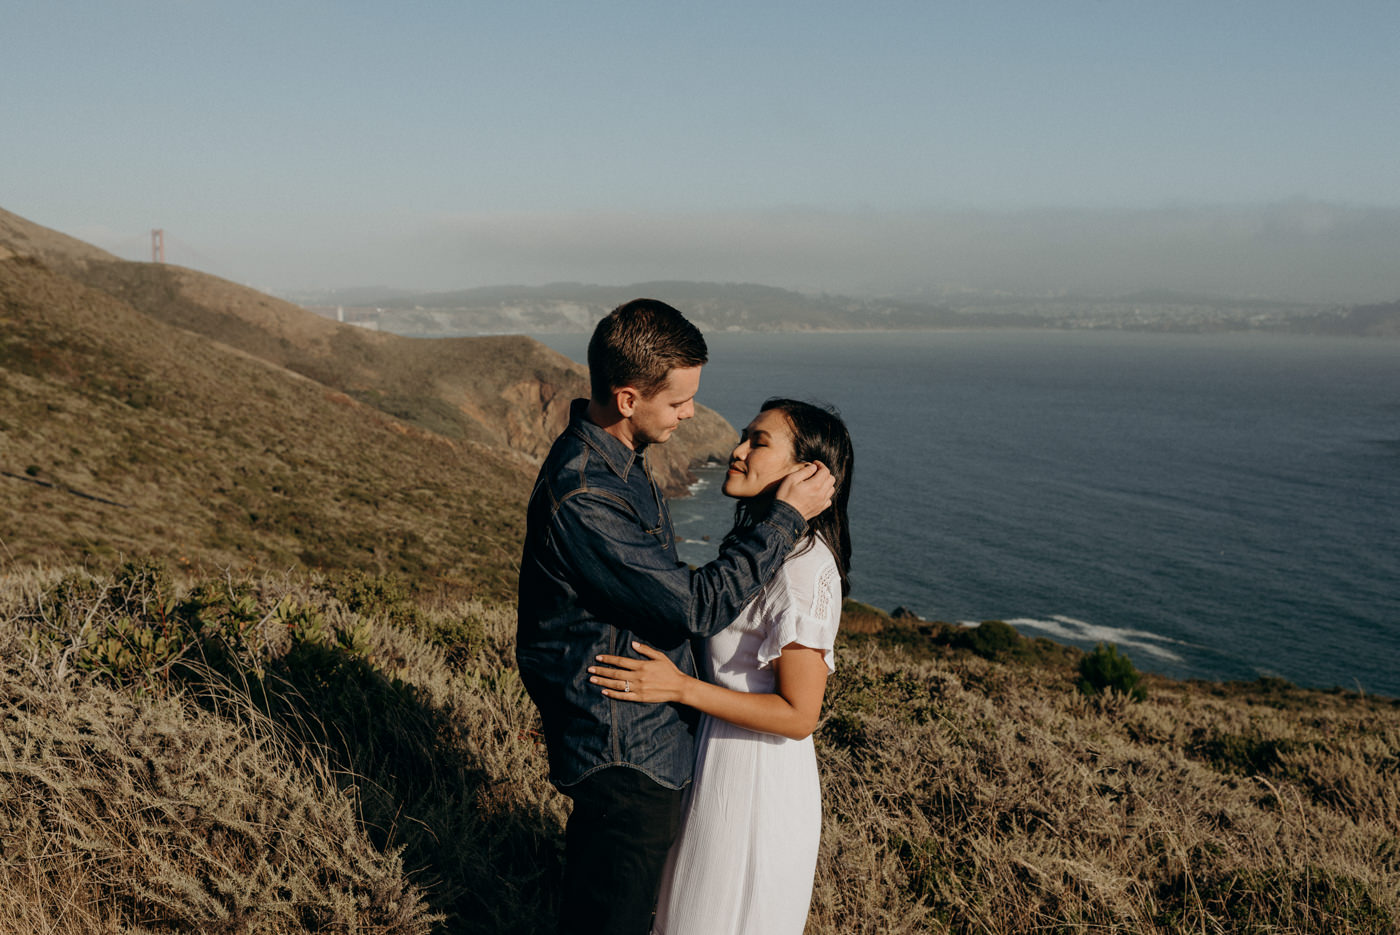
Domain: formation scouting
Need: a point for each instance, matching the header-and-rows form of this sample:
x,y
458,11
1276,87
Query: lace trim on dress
x,y
821,602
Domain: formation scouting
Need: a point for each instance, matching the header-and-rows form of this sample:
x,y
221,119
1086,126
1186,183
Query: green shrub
x,y
386,597
133,630
125,630
227,618
1106,668
990,639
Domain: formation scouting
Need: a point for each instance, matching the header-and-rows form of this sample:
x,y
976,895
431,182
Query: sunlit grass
x,y
330,753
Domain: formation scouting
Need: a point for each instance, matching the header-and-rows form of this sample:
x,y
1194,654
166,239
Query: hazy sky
x,y
1240,146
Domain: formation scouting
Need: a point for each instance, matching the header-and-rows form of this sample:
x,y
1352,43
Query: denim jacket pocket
x,y
662,535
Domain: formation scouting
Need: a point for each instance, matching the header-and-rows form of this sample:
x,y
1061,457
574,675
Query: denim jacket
x,y
599,570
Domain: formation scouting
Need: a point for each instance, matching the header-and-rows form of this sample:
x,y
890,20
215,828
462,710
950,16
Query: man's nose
x,y
688,411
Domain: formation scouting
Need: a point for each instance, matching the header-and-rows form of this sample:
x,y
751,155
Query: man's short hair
x,y
638,344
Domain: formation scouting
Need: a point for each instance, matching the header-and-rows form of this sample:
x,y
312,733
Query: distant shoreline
x,y
950,329
749,308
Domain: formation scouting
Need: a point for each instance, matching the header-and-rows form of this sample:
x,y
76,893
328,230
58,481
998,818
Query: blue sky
x,y
1030,145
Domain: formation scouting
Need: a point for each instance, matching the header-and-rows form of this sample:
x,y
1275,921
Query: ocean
x,y
1218,506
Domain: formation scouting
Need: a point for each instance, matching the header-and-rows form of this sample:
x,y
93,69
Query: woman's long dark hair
x,y
818,434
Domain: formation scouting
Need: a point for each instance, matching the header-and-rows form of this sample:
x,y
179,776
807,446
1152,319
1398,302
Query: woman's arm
x,y
792,710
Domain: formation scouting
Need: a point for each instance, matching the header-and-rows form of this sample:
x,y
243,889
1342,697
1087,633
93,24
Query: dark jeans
x,y
615,848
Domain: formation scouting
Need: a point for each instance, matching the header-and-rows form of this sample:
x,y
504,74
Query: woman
x,y
748,848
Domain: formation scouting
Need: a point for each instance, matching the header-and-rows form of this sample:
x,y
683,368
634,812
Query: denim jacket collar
x,y
618,457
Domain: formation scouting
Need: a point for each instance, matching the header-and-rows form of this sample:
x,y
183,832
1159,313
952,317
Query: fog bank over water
x,y
1300,250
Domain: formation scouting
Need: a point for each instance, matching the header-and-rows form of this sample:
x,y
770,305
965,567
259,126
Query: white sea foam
x,y
1069,629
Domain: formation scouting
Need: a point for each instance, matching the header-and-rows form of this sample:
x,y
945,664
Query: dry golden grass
x,y
966,795
120,435
360,783
385,775
131,811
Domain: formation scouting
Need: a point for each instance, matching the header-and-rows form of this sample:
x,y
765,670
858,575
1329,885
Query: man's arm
x,y
629,571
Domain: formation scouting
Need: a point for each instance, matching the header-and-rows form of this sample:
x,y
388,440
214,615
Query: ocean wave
x,y
1072,630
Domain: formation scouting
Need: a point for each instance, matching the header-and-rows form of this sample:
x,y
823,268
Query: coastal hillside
x,y
147,409
325,753
507,391
125,436
19,237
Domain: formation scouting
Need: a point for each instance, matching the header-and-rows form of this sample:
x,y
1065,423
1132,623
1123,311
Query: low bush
x,y
990,639
1106,668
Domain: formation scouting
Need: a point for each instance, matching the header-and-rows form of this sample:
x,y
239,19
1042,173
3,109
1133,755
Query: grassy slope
x,y
962,793
122,435
20,237
509,391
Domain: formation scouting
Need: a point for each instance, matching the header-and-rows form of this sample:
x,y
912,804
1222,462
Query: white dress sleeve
x,y
805,606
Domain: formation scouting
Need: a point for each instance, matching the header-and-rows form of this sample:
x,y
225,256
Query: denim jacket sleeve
x,y
637,578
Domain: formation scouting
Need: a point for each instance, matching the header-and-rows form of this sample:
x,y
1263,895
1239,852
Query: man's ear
x,y
626,397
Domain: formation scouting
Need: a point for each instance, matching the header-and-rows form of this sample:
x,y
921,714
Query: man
x,y
599,570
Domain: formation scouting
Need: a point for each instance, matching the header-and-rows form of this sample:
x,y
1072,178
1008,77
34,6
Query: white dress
x,y
748,847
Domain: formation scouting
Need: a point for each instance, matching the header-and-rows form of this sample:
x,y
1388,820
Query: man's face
x,y
654,419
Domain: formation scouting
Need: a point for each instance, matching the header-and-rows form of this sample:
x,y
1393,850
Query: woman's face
x,y
763,457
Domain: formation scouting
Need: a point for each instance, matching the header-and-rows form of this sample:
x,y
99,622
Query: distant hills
x,y
576,306
573,307
147,408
